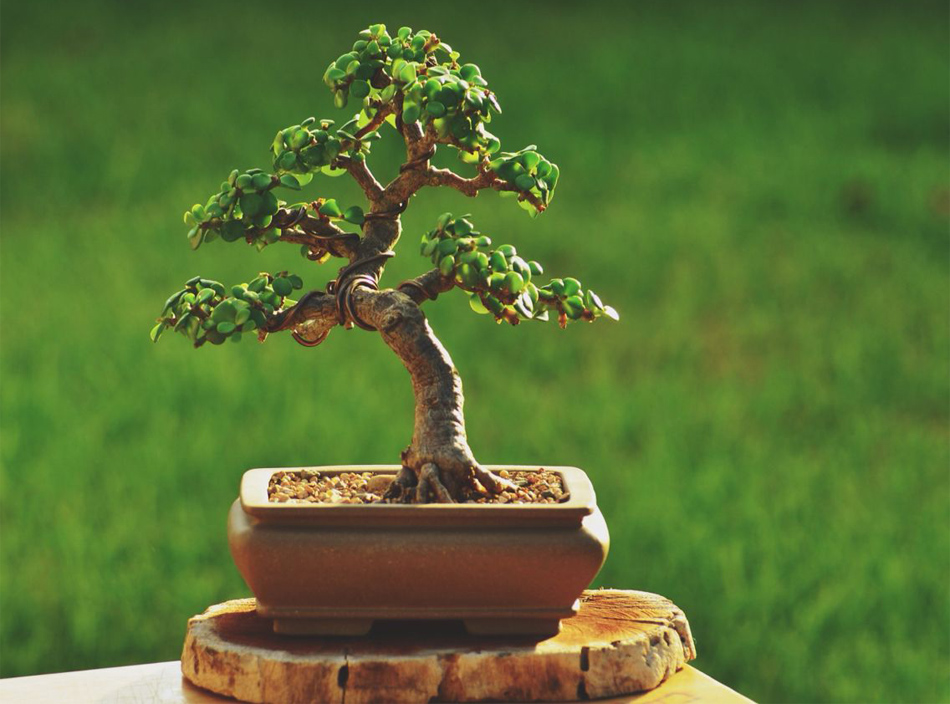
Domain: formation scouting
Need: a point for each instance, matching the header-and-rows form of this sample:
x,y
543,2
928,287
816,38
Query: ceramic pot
x,y
334,569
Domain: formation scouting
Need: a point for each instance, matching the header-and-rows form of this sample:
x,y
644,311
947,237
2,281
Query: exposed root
x,y
429,480
452,477
491,481
402,486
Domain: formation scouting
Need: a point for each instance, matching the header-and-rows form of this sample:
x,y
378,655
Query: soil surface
x,y
310,486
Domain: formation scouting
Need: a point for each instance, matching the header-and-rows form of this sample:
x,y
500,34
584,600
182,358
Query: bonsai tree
x,y
414,83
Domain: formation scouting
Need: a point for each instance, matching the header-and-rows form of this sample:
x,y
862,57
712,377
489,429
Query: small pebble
x,y
310,486
380,483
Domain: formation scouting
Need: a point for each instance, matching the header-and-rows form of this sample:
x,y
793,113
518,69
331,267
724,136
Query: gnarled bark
x,y
439,459
438,464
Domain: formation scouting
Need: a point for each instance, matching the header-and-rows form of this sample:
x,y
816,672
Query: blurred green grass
x,y
760,189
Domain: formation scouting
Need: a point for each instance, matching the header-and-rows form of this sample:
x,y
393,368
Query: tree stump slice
x,y
620,642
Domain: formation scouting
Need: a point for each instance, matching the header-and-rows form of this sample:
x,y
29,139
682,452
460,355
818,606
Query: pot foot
x,y
323,626
542,627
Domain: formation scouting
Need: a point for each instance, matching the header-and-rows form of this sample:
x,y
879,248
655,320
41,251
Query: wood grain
x,y
620,642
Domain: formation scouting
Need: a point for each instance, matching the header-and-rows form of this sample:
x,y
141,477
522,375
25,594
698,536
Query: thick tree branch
x,y
380,235
471,186
410,180
426,287
310,320
468,186
316,233
362,175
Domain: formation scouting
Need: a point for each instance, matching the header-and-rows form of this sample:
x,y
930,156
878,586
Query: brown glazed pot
x,y
334,569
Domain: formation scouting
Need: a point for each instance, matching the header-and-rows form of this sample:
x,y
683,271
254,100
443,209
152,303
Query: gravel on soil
x,y
310,486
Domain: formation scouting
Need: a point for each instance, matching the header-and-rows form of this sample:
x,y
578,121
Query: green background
x,y
760,189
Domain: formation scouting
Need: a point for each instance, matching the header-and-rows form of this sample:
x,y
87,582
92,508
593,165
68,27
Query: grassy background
x,y
760,189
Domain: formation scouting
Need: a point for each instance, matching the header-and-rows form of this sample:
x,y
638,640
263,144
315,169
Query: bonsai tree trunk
x,y
439,459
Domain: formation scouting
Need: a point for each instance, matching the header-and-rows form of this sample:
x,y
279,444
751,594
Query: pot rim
x,y
581,503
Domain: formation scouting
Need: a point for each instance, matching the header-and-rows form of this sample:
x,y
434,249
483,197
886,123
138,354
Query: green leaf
x,y
354,214
251,204
299,139
476,303
573,306
448,95
359,89
226,327
232,230
315,155
431,88
156,332
593,302
411,112
261,182
331,209
182,322
610,312
269,204
494,305
289,181
524,182
469,275
282,286
172,300
295,281
330,171
469,71
463,227
447,246
446,265
407,73
225,310
514,282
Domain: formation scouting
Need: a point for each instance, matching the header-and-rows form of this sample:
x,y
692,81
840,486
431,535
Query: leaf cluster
x,y
503,284
203,312
528,172
418,76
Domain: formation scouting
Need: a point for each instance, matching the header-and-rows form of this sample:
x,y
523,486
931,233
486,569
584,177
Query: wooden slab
x,y
620,642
